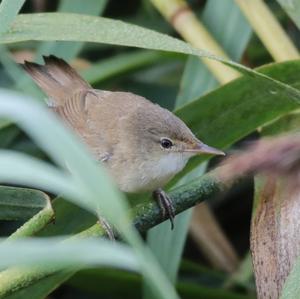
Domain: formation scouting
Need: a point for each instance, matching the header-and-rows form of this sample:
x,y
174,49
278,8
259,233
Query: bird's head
x,y
163,141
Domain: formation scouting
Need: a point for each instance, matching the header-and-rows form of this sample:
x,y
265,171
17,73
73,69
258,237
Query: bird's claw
x,y
165,204
107,228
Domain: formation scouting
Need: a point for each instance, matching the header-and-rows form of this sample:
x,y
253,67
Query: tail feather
x,y
56,78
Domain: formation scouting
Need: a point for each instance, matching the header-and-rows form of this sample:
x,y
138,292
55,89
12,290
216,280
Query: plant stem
x,y
35,224
268,29
146,215
179,14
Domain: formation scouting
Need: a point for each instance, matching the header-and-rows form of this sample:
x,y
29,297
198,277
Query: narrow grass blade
x,y
90,252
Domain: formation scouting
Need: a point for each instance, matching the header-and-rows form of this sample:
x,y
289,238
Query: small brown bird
x,y
142,145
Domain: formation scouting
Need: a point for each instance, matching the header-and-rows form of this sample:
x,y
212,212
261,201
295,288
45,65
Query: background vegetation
x,y
47,211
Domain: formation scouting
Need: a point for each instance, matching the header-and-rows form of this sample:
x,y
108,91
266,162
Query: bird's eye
x,y
166,143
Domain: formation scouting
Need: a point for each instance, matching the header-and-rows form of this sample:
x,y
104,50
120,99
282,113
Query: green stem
x,y
268,29
35,224
146,215
183,19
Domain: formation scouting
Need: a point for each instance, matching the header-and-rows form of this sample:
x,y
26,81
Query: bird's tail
x,y
56,78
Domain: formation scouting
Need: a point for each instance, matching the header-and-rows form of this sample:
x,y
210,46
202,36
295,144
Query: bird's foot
x,y
165,204
107,228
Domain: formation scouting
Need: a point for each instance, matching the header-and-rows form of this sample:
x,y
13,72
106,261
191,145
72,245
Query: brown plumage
x,y
142,145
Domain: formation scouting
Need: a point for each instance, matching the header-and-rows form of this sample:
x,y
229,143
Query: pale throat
x,y
153,174
167,166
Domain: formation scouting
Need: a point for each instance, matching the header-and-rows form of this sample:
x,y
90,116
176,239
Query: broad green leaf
x,y
292,8
21,203
231,112
74,27
81,184
8,12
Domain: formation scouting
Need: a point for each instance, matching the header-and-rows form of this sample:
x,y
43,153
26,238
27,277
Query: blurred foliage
x,y
159,77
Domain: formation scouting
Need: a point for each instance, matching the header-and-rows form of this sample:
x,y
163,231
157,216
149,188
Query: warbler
x,y
141,144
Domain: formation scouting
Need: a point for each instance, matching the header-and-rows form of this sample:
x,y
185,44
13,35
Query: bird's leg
x,y
107,228
165,204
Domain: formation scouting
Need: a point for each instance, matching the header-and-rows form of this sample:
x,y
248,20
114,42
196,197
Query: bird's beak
x,y
201,148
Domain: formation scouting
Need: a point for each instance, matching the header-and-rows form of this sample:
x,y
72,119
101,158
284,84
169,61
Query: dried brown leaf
x,y
279,156
275,235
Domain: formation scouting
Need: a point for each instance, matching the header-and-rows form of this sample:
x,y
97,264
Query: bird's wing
x,y
77,111
56,78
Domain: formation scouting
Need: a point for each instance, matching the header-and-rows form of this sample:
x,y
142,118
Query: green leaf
x,y
292,8
231,112
21,203
89,252
74,27
70,50
8,12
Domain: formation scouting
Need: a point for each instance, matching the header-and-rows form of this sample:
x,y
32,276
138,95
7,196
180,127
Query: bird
x,y
141,144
